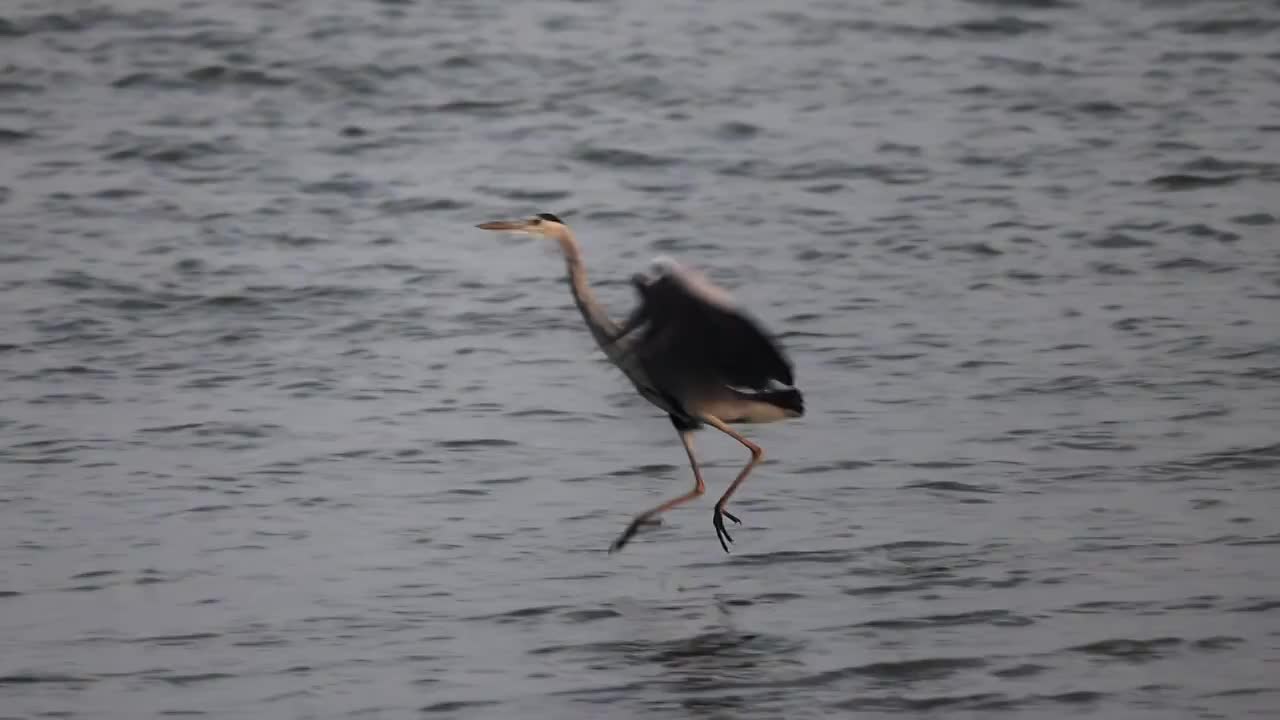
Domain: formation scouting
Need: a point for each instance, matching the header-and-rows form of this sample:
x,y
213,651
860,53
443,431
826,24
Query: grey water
x,y
282,435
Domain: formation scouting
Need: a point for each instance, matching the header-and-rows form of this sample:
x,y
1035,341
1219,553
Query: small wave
x,y
1190,263
1127,649
1201,230
1241,692
1020,671
212,76
345,184
292,240
201,509
737,130
256,297
787,557
648,470
1028,4
1218,642
889,589
527,195
51,372
839,465
505,480
584,616
898,703
1075,697
1106,268
1099,444
539,413
364,79
1215,164
1107,606
1253,541
80,280
1263,606
31,678
905,671
472,443
453,706
88,18
94,574
911,545
827,170
184,153
1120,241
1213,56
620,158
941,464
1006,26
977,249
222,75
949,486
1101,108
467,492
180,640
1262,457
413,206
520,614
1253,26
13,137
11,87
1083,385
1258,219
484,108
225,429
1002,618
194,678
1178,182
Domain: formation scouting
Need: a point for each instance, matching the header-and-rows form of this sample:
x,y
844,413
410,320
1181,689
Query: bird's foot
x,y
632,527
721,533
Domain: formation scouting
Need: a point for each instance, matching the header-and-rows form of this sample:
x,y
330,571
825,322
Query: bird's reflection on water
x,y
717,668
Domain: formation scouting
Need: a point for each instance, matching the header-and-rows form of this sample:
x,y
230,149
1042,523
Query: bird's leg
x,y
757,454
699,488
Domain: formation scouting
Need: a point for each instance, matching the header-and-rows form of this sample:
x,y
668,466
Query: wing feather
x,y
694,328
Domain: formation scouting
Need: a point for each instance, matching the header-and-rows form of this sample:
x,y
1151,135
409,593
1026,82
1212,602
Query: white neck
x,y
602,327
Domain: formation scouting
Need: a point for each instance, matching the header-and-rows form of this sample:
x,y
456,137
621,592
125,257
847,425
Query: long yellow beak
x,y
504,225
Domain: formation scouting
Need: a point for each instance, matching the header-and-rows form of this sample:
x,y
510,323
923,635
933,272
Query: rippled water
x,y
285,436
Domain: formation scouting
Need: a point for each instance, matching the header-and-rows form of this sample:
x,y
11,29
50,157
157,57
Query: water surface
x,y
284,436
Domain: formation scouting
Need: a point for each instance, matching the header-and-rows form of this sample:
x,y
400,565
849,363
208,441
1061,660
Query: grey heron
x,y
690,350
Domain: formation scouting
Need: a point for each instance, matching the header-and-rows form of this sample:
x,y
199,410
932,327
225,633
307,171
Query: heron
x,y
689,349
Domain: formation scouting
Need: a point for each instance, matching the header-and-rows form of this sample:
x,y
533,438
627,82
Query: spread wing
x,y
694,329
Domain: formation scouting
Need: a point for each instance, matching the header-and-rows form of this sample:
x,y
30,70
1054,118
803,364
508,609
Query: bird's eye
x,y
537,221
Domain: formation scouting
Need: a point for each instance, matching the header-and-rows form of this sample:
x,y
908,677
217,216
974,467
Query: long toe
x,y
721,533
731,516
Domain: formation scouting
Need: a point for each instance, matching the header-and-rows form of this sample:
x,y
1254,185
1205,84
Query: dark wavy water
x,y
285,436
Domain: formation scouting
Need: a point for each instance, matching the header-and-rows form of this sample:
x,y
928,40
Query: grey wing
x,y
693,333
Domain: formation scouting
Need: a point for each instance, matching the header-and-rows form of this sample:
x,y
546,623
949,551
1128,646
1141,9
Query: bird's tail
x,y
790,400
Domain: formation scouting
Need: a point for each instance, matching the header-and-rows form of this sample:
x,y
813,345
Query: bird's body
x,y
690,350
697,352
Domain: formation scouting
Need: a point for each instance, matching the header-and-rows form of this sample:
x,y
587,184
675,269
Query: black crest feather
x,y
552,218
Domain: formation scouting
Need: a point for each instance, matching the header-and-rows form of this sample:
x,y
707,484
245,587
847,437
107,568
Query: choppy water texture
x,y
284,436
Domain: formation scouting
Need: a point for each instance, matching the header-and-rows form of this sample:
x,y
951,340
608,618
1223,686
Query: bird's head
x,y
542,224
